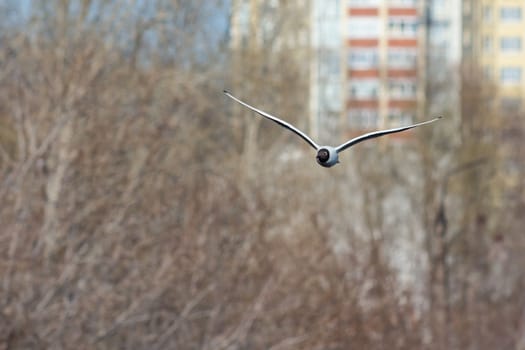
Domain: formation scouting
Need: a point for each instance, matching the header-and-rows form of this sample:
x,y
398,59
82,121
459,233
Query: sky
x,y
216,25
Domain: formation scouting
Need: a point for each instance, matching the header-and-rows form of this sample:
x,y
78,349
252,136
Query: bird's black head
x,y
323,155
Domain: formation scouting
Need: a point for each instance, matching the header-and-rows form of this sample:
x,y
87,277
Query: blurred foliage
x,y
141,209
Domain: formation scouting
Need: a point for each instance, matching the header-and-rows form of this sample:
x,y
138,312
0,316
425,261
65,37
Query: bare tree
x,y
130,219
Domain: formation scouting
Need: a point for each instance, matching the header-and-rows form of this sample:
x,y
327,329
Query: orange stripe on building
x,y
402,104
363,42
402,11
399,137
355,132
402,42
402,73
363,73
402,136
372,11
362,104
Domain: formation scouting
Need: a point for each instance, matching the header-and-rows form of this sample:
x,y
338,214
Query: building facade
x,y
326,79
384,48
493,38
370,60
443,54
493,42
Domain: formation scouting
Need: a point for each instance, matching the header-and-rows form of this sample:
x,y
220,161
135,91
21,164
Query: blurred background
x,y
143,209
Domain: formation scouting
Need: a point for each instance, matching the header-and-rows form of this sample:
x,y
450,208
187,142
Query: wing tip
x,y
435,119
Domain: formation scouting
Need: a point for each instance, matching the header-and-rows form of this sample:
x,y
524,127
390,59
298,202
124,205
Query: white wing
x,y
375,134
277,120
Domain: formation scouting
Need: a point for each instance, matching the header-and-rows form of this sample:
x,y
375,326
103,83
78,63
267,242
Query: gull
x,y
328,156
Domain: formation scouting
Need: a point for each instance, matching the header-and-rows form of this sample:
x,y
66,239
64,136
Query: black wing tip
x,y
226,92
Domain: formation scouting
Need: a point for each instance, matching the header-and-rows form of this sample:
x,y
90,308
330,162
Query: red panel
x,y
362,104
402,104
363,73
402,136
402,11
363,42
402,73
402,42
358,11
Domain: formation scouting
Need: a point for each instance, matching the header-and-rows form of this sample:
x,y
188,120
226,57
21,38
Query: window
x,y
510,44
510,14
364,3
326,33
329,96
364,88
402,58
437,9
397,118
364,27
321,10
487,43
363,118
439,33
329,63
363,58
510,75
402,89
487,13
409,3
402,27
330,9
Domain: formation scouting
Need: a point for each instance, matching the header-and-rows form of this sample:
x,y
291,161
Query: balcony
x,y
402,3
363,3
402,27
363,58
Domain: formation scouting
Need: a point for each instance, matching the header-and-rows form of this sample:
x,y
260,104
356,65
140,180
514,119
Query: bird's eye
x,y
323,155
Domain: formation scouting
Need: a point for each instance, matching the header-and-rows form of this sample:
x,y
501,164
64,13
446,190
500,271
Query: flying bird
x,y
328,156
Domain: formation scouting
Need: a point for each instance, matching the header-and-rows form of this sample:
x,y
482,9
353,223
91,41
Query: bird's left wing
x,y
375,134
277,120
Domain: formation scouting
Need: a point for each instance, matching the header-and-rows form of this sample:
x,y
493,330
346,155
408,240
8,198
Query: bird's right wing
x,y
277,120
375,134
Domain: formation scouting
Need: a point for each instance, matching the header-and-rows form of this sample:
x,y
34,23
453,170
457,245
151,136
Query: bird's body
x,y
327,156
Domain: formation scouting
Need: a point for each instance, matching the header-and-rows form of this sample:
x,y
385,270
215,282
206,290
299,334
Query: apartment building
x,y
369,60
493,39
384,49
